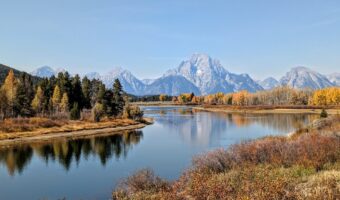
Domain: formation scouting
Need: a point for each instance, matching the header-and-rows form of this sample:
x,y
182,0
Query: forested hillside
x,y
5,69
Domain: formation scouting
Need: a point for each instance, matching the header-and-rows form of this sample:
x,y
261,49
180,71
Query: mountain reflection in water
x,y
197,127
65,152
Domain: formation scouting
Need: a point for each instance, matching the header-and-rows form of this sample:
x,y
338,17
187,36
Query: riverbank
x,y
303,166
267,109
70,129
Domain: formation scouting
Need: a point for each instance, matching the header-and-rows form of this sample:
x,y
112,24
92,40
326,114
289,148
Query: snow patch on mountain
x,y
210,76
269,83
334,78
43,72
303,77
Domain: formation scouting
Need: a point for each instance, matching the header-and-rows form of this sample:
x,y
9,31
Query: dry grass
x,y
27,127
306,166
28,124
269,109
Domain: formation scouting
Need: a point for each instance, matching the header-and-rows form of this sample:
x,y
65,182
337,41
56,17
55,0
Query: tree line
x,y
62,96
283,95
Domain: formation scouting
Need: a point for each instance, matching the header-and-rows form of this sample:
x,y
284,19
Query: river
x,y
90,168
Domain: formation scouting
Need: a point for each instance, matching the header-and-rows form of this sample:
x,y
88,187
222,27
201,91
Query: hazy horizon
x,y
260,38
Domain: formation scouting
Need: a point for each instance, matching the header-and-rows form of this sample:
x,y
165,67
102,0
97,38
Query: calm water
x,y
90,168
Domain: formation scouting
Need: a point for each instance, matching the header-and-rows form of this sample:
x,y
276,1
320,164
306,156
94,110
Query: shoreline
x,y
35,136
331,111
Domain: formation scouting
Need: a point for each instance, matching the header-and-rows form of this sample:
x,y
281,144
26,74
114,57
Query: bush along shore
x,y
63,104
304,165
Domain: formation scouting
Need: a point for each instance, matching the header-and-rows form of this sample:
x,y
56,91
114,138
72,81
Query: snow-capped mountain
x,y
302,77
210,77
43,72
171,85
203,75
46,72
148,81
334,78
129,82
269,83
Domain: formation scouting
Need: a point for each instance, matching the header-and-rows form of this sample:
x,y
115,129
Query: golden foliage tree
x,y
162,97
326,96
38,100
9,88
64,103
240,98
56,98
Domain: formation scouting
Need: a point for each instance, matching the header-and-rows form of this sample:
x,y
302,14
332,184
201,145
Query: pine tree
x,y
108,103
118,99
75,112
64,105
86,88
3,104
64,82
38,100
24,96
77,93
56,99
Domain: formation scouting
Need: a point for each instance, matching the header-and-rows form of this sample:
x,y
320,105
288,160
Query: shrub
x,y
75,112
133,112
323,113
142,181
312,150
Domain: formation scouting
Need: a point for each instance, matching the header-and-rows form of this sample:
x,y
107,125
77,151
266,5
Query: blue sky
x,y
262,38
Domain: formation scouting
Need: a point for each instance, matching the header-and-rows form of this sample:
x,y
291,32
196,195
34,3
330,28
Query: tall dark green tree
x,y
108,103
24,96
77,92
86,88
65,85
118,99
75,112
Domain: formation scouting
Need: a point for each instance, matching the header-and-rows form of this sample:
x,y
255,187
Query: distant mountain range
x,y
203,75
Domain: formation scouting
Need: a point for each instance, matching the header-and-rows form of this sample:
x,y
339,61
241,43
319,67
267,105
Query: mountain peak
x,y
199,57
303,77
44,71
269,83
117,70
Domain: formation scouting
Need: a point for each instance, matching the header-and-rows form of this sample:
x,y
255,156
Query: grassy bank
x,y
268,109
20,129
305,165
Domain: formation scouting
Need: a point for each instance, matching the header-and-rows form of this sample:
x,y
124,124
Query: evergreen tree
x,y
24,96
47,85
64,105
118,99
108,103
64,82
38,100
86,88
3,104
77,93
56,99
75,112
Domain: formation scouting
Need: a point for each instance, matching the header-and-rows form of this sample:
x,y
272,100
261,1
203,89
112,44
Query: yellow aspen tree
x,y
56,99
38,100
9,88
162,97
64,103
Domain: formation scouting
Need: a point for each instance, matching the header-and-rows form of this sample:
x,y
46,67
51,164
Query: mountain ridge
x,y
206,75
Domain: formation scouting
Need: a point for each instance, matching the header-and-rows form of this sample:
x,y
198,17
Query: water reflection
x,y
203,127
66,152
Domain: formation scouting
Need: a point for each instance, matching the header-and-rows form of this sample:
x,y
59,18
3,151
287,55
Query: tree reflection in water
x,y
16,158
